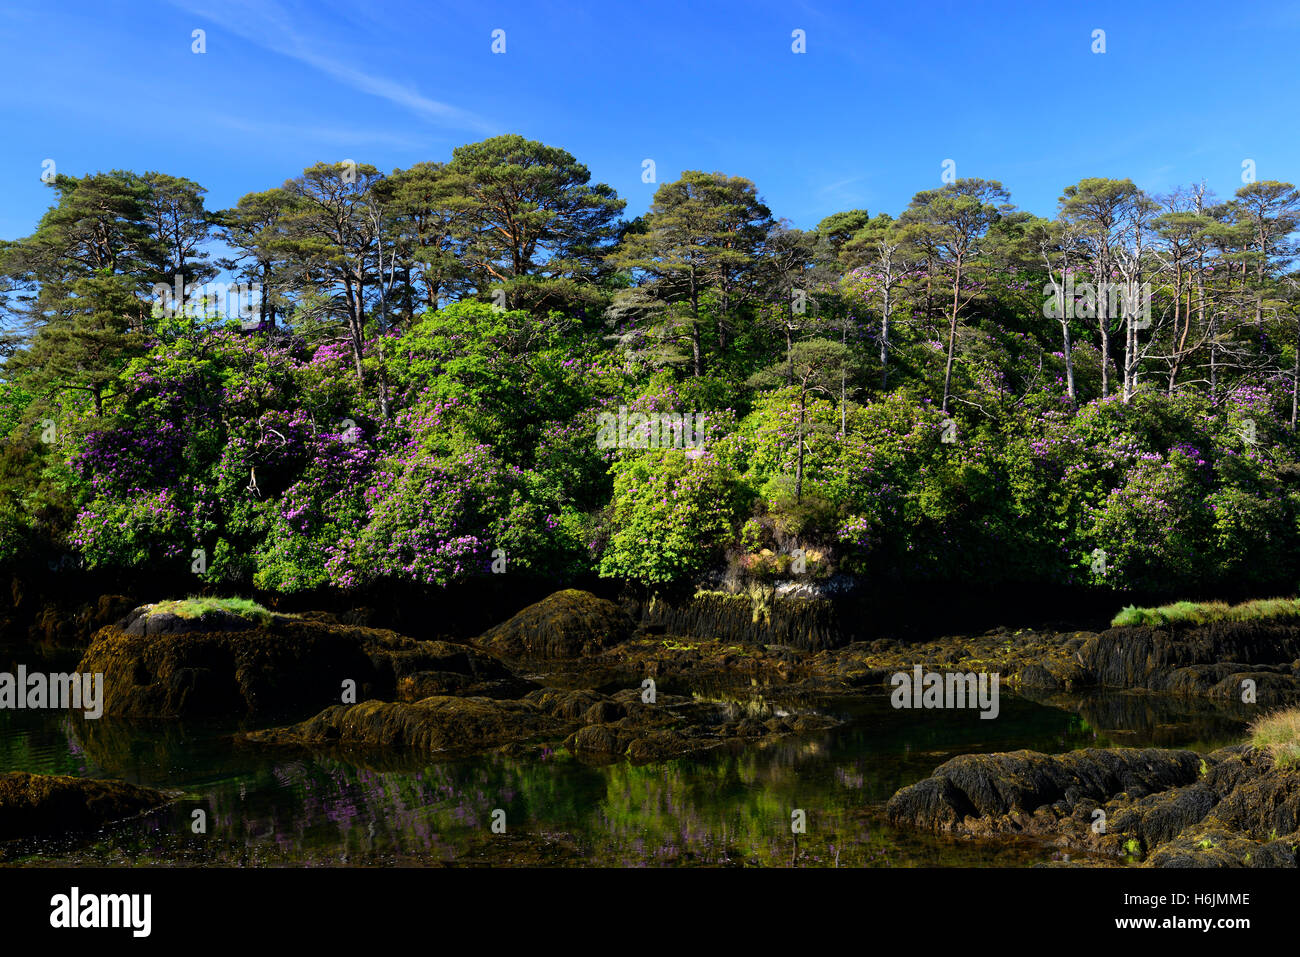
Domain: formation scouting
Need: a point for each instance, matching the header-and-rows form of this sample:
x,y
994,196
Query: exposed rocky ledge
x,y
1211,659
566,624
277,666
1232,807
808,624
592,726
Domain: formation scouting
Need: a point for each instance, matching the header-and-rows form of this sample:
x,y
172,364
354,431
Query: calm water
x,y
729,807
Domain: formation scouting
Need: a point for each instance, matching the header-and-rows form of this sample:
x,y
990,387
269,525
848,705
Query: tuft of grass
x,y
1278,733
1200,613
193,607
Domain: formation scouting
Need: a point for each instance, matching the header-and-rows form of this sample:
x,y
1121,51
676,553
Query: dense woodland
x,y
937,395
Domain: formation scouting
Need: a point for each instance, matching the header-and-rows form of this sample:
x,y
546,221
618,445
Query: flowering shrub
x,y
672,515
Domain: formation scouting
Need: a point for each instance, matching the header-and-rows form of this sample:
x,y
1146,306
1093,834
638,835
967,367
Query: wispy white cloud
x,y
838,185
321,134
272,27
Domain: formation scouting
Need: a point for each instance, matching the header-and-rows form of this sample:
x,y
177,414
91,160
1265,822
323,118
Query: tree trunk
x,y
1069,361
1103,326
884,342
1178,349
695,327
952,336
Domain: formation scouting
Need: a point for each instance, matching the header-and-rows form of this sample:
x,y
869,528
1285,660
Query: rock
x,y
1158,818
33,804
1199,659
449,669
567,624
428,684
438,724
1261,802
1231,808
599,740
280,666
144,621
1021,782
805,723
603,712
1052,675
935,804
569,705
663,745
1216,847
809,624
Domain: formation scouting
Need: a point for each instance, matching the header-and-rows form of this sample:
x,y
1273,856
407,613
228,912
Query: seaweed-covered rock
x,y
278,666
1256,798
429,684
1216,847
567,704
666,744
1026,660
1021,782
1209,659
600,740
446,668
1230,808
567,624
33,804
808,624
438,724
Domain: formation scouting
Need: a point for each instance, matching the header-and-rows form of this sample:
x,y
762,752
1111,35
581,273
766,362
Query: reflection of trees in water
x,y
333,810
730,806
156,752
1148,719
39,741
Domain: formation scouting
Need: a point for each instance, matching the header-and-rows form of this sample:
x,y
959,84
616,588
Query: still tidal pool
x,y
729,807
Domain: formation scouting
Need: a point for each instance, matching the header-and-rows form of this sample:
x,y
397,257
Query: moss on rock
x,y
436,724
567,624
283,666
34,804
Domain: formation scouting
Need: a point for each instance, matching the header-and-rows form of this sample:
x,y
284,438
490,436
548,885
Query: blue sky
x,y
865,118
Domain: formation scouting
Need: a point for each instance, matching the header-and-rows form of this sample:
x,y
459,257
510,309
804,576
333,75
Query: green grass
x,y
1200,613
197,607
1279,734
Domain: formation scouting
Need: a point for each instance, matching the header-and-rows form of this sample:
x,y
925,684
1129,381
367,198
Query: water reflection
x,y
730,807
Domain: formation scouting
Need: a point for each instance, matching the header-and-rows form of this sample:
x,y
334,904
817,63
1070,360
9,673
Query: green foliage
x,y
671,516
909,420
1201,613
197,607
